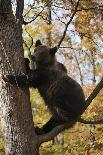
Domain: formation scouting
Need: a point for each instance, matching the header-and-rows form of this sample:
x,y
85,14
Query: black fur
x,y
63,95
27,68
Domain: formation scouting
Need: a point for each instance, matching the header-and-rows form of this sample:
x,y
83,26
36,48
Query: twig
x,y
90,121
26,45
25,23
31,7
93,94
58,17
66,26
66,47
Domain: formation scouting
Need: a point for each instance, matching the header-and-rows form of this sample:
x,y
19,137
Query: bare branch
x,y
54,132
26,45
19,10
44,18
66,26
45,5
94,94
58,17
51,134
66,47
90,121
31,7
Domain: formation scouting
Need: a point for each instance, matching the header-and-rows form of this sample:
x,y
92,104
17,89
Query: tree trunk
x,y
16,114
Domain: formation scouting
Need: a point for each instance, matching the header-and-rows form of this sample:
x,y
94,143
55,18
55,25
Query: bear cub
x,y
63,95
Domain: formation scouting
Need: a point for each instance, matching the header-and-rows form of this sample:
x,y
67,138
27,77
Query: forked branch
x,y
68,23
50,135
35,17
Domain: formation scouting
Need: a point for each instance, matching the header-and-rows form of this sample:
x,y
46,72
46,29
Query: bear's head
x,y
43,56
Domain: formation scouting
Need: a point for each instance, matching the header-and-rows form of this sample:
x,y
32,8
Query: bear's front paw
x,y
7,78
4,77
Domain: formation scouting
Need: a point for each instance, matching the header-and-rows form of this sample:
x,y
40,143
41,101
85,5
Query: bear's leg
x,y
52,123
23,80
20,80
49,126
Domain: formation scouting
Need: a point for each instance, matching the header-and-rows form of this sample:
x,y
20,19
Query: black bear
x,y
57,64
27,67
63,95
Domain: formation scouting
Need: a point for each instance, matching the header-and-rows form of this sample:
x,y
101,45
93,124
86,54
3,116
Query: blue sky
x,y
28,1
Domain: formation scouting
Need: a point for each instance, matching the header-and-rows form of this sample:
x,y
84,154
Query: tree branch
x,y
99,121
93,94
51,134
25,22
66,47
54,132
19,10
88,102
58,17
26,45
31,7
66,26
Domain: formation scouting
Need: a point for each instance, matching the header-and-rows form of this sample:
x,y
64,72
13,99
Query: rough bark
x,y
16,114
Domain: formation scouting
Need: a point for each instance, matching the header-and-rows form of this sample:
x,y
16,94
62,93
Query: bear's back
x,y
59,88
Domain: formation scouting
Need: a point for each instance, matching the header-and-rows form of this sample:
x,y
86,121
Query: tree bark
x,y
16,114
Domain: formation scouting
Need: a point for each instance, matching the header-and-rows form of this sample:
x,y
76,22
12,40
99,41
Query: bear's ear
x,y
38,43
53,50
